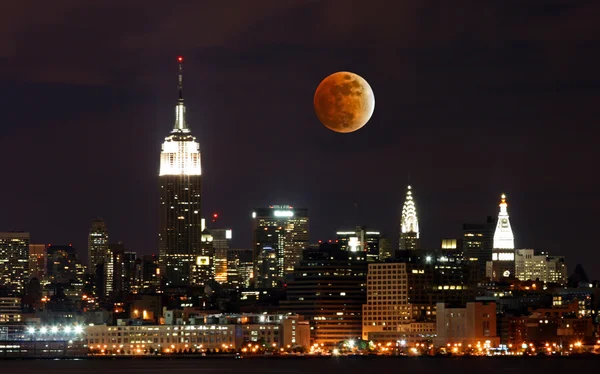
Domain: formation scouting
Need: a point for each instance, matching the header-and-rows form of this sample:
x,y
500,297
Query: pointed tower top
x,y
180,123
409,220
503,237
180,80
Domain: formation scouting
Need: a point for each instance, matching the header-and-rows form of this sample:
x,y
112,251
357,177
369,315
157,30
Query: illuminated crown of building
x,y
503,237
409,221
180,152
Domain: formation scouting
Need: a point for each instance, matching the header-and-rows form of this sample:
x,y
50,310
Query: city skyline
x,y
467,118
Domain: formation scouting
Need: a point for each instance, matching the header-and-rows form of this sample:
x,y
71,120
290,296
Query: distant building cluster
x,y
476,292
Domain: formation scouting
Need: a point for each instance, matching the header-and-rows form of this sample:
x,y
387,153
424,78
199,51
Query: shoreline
x,y
297,357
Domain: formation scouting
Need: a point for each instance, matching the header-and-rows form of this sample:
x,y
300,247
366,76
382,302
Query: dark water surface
x,y
562,365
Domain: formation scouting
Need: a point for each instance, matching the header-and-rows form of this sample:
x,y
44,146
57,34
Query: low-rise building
x,y
474,324
222,332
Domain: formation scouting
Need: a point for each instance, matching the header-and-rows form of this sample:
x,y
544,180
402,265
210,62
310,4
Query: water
x,y
375,365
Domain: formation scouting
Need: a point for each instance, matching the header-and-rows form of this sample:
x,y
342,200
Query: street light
x,y
78,329
54,329
31,330
43,330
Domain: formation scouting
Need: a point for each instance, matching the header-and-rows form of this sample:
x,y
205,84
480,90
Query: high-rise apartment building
x,y
279,235
360,240
97,245
329,288
221,243
37,261
14,260
180,199
409,224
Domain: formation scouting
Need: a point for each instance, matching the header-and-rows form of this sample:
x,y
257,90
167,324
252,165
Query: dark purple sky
x,y
473,98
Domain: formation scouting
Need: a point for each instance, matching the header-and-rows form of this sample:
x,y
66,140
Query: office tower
x,y
477,243
97,245
221,243
202,271
113,268
279,235
61,264
539,266
14,260
37,261
503,236
360,240
128,269
239,268
409,224
180,199
329,288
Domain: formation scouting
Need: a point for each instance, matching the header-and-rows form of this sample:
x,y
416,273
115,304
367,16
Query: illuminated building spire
x,y
503,237
180,123
409,223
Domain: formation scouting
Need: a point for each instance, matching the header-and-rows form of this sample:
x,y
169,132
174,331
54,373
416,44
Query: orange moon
x,y
344,102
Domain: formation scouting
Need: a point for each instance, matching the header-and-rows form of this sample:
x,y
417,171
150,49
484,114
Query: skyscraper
x,y
280,234
14,260
409,224
97,245
477,243
180,199
503,237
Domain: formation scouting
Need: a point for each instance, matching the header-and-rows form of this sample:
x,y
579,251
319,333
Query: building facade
x,y
14,260
531,265
180,199
474,325
37,261
201,334
478,242
360,240
279,235
221,244
409,224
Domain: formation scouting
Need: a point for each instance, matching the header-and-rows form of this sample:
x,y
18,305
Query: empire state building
x,y
180,199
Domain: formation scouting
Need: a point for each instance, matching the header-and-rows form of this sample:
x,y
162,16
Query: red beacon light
x,y
180,58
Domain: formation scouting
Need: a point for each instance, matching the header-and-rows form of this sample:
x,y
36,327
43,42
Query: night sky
x,y
473,98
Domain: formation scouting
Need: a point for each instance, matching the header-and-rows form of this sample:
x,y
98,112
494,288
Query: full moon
x,y
344,102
